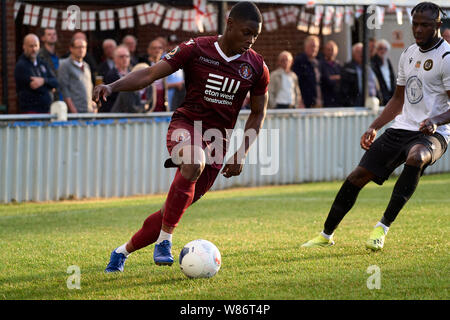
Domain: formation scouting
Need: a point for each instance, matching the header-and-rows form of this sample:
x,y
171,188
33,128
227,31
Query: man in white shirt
x,y
418,136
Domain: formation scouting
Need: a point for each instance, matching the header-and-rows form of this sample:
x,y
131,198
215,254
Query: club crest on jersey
x,y
428,65
245,71
173,52
414,91
418,63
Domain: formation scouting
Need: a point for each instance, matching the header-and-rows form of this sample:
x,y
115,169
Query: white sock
x,y
122,249
164,236
328,236
386,228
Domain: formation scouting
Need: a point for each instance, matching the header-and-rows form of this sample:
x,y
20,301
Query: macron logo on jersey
x,y
221,88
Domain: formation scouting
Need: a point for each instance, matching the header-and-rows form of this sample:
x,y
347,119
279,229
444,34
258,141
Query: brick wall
x,y
11,57
269,44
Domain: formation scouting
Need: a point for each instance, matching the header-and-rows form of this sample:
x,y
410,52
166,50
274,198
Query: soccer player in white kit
x,y
417,137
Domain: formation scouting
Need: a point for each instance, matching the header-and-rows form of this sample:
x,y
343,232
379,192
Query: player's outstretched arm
x,y
253,124
134,80
429,126
392,109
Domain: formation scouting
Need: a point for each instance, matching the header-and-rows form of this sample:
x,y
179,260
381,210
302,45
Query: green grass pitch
x,y
259,232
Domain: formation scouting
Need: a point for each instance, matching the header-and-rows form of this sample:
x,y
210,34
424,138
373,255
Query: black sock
x,y
344,201
403,190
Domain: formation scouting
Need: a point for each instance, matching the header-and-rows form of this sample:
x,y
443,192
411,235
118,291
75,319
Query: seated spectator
x,y
306,67
139,101
284,91
352,82
34,80
382,67
330,71
120,69
108,45
75,79
130,42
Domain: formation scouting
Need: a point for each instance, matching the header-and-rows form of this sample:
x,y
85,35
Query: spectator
x,y
284,91
351,79
130,42
330,71
75,79
34,80
139,101
372,49
120,69
306,67
384,72
446,34
155,50
176,90
89,59
47,53
109,45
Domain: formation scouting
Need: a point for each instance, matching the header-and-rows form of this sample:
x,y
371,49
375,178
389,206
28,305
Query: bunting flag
x,y
399,14
106,19
293,14
88,20
270,20
126,18
359,10
156,13
31,14
203,17
310,4
49,16
408,11
210,19
314,28
17,6
338,19
189,20
172,20
380,11
303,23
349,16
143,12
200,6
283,14
327,20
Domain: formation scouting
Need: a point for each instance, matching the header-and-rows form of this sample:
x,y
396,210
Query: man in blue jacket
x,y
34,80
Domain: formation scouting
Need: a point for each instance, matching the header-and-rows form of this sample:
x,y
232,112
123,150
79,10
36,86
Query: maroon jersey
x,y
216,85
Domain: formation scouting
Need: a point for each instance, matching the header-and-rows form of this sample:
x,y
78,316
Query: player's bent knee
x,y
360,176
418,156
192,171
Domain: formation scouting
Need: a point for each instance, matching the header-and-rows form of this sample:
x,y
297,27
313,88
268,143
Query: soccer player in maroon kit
x,y
219,72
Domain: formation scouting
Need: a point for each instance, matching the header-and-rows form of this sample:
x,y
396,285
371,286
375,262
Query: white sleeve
x,y
446,72
401,78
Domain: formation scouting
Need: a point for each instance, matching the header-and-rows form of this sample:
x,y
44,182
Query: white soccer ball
x,y
200,259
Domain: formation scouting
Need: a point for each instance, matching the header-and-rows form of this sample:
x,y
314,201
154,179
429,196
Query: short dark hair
x,y
430,6
246,10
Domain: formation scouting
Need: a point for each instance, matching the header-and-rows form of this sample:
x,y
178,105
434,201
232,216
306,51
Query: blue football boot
x,y
116,262
163,254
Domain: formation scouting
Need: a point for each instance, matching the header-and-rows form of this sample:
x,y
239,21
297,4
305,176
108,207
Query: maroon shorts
x,y
181,131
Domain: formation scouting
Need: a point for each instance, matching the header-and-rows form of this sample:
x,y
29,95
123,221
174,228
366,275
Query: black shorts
x,y
391,149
